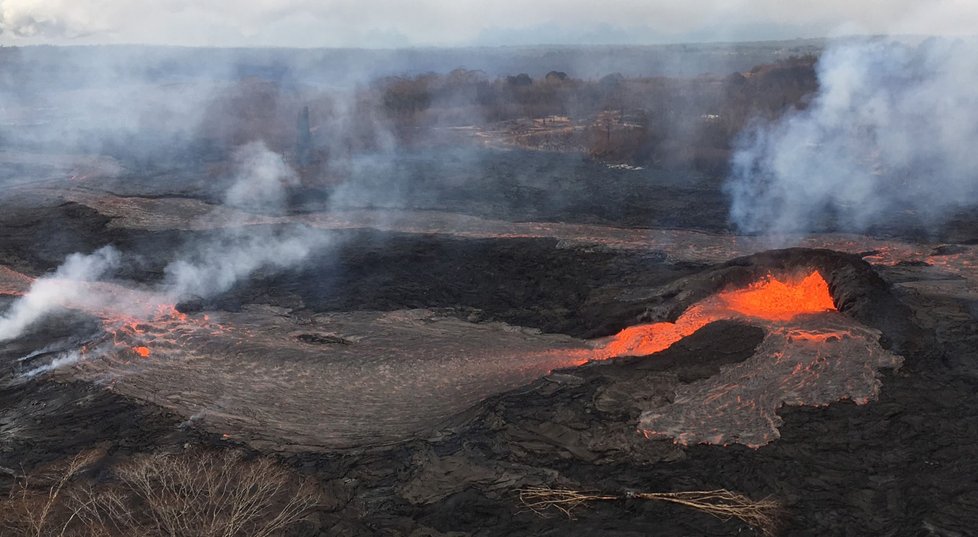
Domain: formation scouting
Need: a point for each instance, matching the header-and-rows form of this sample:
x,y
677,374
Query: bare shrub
x,y
37,505
213,494
104,513
763,515
193,494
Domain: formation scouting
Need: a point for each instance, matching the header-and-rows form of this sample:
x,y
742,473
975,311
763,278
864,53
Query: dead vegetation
x,y
192,494
762,515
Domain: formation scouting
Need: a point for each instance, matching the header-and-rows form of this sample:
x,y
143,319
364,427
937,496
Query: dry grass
x,y
194,494
762,515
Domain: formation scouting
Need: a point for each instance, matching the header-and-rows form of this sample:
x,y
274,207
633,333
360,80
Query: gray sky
x,y
392,23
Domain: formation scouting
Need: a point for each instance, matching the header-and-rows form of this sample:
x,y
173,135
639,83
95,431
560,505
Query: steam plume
x,y
209,268
893,128
261,179
218,265
215,266
59,290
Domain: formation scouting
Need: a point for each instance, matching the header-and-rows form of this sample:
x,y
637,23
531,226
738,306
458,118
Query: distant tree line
x,y
687,121
642,120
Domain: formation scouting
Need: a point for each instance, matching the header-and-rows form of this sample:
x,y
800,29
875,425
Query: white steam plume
x,y
218,265
62,289
211,267
893,128
260,185
262,178
62,360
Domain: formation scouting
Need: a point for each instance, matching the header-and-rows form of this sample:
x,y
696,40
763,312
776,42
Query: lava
x,y
775,300
170,311
770,299
812,360
831,358
160,329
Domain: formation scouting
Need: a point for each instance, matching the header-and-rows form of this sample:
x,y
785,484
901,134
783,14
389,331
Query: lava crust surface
x,y
430,362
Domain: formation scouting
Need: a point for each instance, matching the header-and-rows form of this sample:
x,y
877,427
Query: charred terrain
x,y
427,315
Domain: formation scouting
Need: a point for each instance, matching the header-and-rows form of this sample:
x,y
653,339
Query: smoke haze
x,y
204,269
262,178
891,131
51,293
215,266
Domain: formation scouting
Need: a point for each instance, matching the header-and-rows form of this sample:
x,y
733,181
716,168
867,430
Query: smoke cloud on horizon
x,y
891,132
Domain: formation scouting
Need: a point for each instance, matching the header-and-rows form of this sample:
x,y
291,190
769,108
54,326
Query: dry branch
x,y
35,506
762,515
191,494
217,494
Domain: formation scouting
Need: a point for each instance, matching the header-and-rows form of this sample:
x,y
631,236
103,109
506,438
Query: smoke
x,y
62,289
262,179
205,269
217,265
891,132
61,360
214,266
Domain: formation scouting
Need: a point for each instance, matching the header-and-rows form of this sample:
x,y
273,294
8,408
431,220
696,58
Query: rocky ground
x,y
472,274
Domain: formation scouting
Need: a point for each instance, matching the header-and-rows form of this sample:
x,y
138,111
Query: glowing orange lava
x,y
774,300
138,334
770,299
170,311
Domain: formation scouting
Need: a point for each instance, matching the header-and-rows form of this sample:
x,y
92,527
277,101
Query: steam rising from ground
x,y
205,269
262,179
893,128
215,266
53,292
61,360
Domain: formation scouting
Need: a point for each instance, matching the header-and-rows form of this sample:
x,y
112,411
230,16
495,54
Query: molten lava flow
x,y
769,299
651,338
145,335
821,360
170,311
774,300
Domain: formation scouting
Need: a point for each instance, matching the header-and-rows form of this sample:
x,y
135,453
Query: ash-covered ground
x,y
425,362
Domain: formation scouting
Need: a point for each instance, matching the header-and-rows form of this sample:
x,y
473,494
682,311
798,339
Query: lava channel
x,y
770,300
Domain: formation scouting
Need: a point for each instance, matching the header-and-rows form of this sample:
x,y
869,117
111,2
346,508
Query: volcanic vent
x,y
769,299
812,354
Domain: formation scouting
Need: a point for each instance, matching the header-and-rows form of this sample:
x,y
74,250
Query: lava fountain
x,y
770,299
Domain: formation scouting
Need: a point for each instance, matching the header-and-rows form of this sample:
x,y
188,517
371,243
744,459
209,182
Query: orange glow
x,y
168,310
774,300
769,299
651,338
154,333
